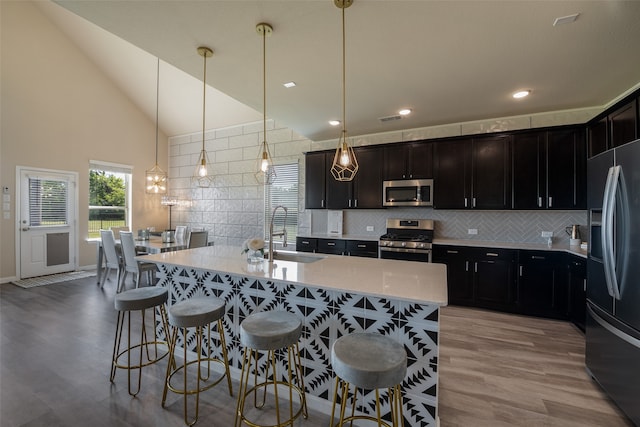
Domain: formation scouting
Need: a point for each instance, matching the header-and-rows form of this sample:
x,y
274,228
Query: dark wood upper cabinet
x,y
623,124
598,137
472,173
410,160
452,174
566,169
315,180
549,169
529,170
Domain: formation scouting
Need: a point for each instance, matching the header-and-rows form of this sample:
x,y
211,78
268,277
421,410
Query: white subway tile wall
x,y
232,210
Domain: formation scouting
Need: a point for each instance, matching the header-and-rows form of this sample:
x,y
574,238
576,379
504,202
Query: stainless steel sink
x,y
295,257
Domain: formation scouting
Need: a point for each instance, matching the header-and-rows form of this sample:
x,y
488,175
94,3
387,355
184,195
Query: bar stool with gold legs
x,y
371,362
270,331
146,349
196,313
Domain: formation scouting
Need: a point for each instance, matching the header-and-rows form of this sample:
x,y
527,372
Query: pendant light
x,y
202,176
156,178
345,164
265,172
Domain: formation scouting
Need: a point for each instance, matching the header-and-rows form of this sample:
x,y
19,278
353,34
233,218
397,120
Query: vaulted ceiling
x,y
448,61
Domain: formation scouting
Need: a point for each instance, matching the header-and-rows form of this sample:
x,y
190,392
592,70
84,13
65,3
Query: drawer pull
x,y
362,246
331,244
305,242
452,252
492,254
537,257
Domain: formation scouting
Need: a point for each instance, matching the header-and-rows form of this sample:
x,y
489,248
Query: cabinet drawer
x,y
331,246
488,254
306,244
364,248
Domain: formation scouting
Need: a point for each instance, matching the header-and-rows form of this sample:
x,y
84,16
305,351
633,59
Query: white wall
x,y
58,112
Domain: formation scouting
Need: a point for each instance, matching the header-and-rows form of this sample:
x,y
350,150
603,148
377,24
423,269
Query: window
x,y
109,196
283,191
48,202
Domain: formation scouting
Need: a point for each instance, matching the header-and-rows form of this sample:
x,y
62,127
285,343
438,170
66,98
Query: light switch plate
x,y
369,227
473,231
547,234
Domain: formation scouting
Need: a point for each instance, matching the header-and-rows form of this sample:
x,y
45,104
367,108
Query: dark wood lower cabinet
x,y
542,284
537,283
479,277
362,248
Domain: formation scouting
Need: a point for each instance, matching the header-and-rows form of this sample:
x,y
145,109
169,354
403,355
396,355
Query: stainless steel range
x,y
407,239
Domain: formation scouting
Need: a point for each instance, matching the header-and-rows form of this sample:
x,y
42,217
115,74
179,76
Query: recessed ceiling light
x,y
289,84
334,122
565,19
521,94
404,112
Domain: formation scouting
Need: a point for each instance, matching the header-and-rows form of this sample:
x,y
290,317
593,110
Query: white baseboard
x,y
5,280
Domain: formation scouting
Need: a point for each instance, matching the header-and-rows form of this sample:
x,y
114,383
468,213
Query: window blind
x,y
48,202
283,191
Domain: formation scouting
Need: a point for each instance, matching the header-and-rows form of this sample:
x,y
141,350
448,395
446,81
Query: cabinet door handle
x,y
492,254
349,202
322,203
550,201
355,203
539,202
452,252
584,285
520,271
475,268
466,266
474,202
465,202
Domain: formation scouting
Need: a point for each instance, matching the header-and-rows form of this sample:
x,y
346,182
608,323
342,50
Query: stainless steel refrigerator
x,y
613,275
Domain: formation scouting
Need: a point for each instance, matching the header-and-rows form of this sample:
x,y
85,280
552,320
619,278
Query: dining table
x,y
152,245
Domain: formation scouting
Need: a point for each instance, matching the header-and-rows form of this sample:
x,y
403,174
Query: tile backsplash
x,y
493,226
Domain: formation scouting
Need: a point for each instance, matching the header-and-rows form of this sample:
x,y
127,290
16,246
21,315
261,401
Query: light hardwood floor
x,y
495,369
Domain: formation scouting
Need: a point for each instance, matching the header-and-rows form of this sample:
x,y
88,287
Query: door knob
x,y
25,228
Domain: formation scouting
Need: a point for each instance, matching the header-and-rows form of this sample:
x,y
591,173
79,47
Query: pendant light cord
x,y
264,86
157,102
344,84
204,95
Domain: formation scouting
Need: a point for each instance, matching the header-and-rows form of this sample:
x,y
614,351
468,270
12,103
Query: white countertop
x,y
415,281
575,250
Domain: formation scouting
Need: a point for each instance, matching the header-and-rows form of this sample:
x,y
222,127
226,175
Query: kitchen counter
x,y
333,296
368,238
575,250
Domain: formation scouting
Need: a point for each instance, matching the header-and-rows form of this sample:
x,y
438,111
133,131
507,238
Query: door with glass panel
x,y
47,224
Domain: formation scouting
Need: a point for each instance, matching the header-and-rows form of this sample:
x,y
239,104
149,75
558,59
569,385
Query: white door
x,y
47,225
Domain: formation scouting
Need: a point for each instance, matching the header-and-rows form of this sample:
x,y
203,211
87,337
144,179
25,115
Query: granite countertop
x,y
412,281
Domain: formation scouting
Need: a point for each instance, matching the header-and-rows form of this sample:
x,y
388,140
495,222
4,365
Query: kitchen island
x,y
334,296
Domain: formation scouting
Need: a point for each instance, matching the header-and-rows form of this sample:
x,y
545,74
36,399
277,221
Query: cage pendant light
x,y
202,176
345,164
265,172
156,178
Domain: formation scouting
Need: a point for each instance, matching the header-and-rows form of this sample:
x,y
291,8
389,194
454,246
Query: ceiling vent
x,y
390,118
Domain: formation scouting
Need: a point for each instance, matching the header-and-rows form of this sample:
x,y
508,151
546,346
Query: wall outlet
x,y
473,231
547,234
369,227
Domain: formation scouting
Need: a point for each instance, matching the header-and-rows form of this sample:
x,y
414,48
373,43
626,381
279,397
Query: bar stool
x,y
139,299
368,361
270,331
196,313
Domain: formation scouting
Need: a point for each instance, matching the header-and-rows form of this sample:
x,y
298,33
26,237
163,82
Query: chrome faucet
x,y
282,233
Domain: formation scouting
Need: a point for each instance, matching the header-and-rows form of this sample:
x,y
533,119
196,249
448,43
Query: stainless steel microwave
x,y
408,192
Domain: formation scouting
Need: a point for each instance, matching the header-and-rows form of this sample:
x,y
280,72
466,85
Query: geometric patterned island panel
x,y
326,316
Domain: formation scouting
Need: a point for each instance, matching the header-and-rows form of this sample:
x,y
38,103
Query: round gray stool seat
x,y
270,330
140,298
196,312
369,360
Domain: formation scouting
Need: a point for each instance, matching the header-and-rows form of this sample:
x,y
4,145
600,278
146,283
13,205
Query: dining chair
x,y
112,258
117,230
131,265
198,239
181,233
